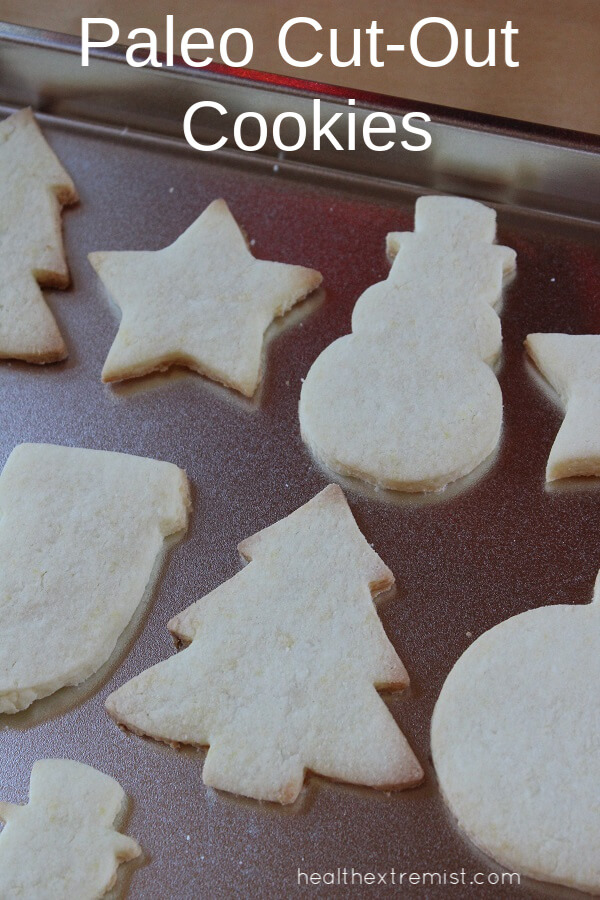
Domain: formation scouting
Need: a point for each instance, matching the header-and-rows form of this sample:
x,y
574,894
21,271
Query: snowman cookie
x,y
409,401
63,843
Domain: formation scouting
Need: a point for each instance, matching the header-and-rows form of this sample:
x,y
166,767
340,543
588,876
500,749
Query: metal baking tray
x,y
497,544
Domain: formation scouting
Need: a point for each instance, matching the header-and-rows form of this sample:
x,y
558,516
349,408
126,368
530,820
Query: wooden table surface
x,y
558,46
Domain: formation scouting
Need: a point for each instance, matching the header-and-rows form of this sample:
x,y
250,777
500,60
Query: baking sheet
x,y
464,559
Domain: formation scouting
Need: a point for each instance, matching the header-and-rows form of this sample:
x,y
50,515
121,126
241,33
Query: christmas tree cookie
x,y
408,401
80,532
571,363
204,302
515,739
282,666
33,189
63,843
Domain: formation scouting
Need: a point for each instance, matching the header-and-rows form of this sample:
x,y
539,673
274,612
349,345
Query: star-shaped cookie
x,y
203,302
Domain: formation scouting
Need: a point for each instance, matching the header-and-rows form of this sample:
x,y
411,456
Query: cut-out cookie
x,y
571,363
203,302
33,189
80,532
408,401
63,844
281,672
515,738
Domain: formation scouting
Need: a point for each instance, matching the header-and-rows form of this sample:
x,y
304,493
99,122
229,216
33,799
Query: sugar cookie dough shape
x,y
203,302
33,189
281,672
571,363
63,843
515,739
80,532
408,401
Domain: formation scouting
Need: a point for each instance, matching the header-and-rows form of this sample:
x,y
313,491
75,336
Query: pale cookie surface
x,y
408,401
571,363
63,843
80,532
281,672
203,302
33,189
515,739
